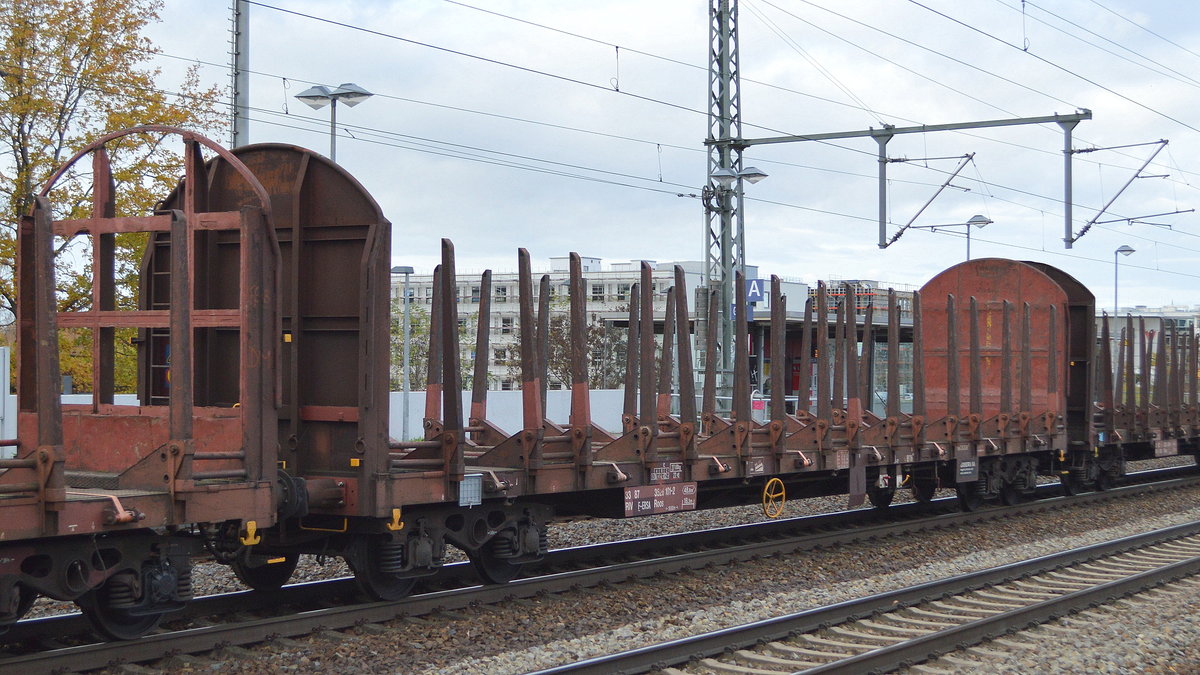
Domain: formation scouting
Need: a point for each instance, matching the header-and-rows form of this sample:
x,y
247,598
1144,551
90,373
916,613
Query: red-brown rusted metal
x,y
483,331
543,338
632,359
81,453
666,363
708,405
990,282
687,381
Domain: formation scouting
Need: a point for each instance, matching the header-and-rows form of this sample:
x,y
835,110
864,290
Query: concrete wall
x,y
504,410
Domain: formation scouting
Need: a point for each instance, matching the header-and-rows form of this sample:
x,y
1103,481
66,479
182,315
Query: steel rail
x,y
680,651
193,640
950,639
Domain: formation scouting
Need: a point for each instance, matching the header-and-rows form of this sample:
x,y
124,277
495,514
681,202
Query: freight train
x,y
260,431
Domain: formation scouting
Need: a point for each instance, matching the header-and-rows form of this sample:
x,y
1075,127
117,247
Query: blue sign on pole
x,y
733,310
756,290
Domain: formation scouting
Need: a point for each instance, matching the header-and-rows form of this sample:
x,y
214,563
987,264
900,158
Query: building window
x,y
598,292
498,356
622,292
506,384
429,295
506,325
502,294
475,294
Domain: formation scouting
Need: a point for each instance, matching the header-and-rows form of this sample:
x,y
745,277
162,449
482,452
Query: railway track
x,y
640,559
898,629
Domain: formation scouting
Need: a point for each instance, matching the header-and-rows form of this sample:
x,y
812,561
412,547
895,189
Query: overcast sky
x,y
585,132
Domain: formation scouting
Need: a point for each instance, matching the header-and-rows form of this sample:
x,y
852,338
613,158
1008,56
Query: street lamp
x,y
1125,250
320,96
976,221
406,271
725,177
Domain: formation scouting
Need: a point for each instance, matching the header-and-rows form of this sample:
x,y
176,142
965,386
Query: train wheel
x,y
115,623
1010,495
1104,481
492,566
969,498
372,560
923,490
1073,483
20,600
270,575
881,498
493,570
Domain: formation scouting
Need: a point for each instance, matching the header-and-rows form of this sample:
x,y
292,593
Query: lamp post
x,y
719,199
1125,250
320,96
976,221
406,271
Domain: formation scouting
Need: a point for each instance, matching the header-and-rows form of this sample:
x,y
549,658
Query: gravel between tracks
x,y
1154,632
531,634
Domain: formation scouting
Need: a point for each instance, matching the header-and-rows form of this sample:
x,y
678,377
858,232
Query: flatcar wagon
x,y
260,429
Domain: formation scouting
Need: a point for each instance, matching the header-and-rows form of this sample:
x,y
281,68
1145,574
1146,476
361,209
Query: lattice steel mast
x,y
723,236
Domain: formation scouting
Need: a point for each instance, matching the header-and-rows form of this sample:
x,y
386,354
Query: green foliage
x,y
418,355
70,71
605,349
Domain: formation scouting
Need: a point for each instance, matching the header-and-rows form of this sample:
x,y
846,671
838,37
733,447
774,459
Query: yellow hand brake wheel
x,y
774,496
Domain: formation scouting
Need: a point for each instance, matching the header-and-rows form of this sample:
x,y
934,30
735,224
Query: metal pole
x,y
333,129
968,242
725,365
883,141
241,73
1116,267
1068,235
404,375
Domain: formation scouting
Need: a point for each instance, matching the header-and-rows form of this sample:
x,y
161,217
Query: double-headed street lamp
x,y
406,271
1125,250
320,96
975,221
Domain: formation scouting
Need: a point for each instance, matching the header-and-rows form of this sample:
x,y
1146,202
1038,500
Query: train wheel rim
x,y
881,498
115,623
269,577
923,490
493,570
374,583
968,497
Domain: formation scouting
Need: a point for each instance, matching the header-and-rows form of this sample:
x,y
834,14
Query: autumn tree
x,y
418,346
70,71
605,348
